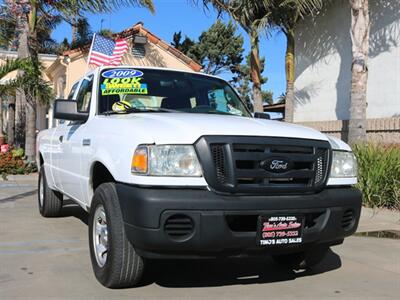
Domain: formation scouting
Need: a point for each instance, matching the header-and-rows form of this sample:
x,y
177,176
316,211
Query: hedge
x,y
379,175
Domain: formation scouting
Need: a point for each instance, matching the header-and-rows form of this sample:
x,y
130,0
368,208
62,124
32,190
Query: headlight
x,y
166,160
344,164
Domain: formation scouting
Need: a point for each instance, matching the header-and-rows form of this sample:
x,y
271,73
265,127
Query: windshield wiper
x,y
141,110
131,110
213,112
157,109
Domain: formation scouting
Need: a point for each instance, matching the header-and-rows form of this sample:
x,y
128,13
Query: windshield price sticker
x,y
122,73
116,86
280,230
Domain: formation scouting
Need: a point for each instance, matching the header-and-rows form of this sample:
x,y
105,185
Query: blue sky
x,y
178,15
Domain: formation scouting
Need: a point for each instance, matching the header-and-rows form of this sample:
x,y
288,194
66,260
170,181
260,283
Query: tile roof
x,y
139,29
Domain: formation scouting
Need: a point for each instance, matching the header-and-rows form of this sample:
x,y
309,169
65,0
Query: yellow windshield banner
x,y
116,86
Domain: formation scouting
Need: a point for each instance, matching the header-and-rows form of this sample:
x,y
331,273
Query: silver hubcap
x,y
41,191
100,235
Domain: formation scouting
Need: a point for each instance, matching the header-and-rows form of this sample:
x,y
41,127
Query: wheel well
x,y
100,174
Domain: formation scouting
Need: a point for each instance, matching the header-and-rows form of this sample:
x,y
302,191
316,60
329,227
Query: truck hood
x,y
186,128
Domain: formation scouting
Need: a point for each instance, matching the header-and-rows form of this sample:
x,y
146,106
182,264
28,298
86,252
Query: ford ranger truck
x,y
173,165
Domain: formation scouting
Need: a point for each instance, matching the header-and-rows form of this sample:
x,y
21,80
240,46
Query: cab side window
x,y
85,94
72,92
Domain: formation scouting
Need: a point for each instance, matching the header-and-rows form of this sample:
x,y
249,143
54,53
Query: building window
x,y
139,50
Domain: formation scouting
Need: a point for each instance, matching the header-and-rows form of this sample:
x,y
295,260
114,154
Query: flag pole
x,y
90,53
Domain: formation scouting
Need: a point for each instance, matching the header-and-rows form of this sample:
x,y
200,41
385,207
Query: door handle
x,y
61,138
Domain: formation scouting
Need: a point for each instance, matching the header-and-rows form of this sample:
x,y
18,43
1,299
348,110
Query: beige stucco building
x,y
64,70
323,71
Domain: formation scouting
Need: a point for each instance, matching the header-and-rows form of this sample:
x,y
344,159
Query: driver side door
x,y
72,139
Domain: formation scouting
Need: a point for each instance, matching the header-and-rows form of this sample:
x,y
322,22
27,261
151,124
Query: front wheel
x,y
302,260
115,262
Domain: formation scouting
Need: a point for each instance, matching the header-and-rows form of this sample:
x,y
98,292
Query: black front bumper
x,y
226,225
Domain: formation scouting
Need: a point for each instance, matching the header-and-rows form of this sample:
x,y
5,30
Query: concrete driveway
x,y
49,258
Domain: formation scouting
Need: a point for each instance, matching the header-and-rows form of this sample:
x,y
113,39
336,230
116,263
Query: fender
x,y
103,157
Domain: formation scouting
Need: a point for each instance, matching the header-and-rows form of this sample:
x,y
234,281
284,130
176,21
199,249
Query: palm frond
x,y
301,8
250,14
7,29
74,7
31,80
12,65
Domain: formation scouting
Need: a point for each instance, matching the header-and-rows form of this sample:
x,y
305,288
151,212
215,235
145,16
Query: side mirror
x,y
259,115
68,110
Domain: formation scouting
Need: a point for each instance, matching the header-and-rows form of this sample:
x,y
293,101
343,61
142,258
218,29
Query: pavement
x,y
49,258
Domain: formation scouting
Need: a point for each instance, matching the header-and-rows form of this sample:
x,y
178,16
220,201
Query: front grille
x,y
218,155
264,165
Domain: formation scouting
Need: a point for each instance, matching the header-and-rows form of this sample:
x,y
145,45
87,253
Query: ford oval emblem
x,y
122,73
277,165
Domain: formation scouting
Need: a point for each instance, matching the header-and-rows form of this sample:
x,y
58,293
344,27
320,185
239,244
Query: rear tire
x,y
302,260
115,262
50,202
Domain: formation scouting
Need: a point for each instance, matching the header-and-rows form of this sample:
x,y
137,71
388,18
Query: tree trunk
x,y
290,74
11,120
23,52
19,117
255,72
360,28
30,134
74,27
1,123
27,28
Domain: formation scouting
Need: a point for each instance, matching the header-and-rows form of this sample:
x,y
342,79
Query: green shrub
x,y
10,164
379,175
17,153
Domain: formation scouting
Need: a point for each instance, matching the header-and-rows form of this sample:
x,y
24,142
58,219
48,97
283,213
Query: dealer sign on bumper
x,y
280,230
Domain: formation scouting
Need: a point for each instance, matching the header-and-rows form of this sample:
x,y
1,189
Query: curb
x,y
19,178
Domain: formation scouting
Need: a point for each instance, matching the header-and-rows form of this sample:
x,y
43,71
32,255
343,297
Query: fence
x,y
384,130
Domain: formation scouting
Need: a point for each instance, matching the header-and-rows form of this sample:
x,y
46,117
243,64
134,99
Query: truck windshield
x,y
163,90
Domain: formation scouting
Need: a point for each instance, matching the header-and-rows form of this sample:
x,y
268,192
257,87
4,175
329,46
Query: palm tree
x,y
1,121
7,29
10,38
285,15
360,28
28,13
7,90
252,16
107,33
32,82
242,81
82,33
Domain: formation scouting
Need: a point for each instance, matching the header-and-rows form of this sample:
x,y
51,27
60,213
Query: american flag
x,y
106,52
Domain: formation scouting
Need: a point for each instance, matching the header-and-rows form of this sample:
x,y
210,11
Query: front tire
x,y
302,260
115,262
50,202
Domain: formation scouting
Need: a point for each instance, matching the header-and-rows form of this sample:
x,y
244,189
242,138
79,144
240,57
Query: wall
x,y
323,63
382,130
156,56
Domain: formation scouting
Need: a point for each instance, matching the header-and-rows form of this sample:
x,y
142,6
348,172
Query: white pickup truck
x,y
172,164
